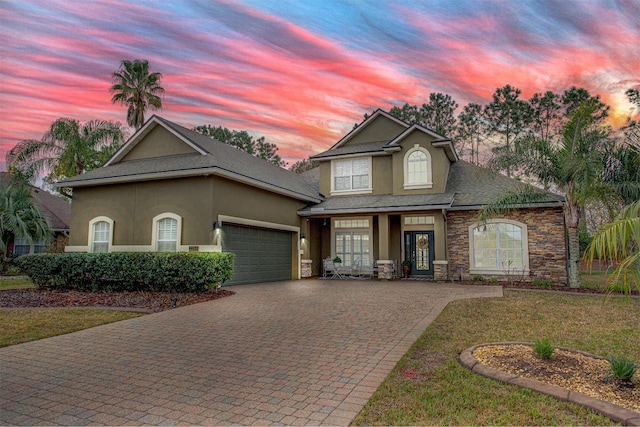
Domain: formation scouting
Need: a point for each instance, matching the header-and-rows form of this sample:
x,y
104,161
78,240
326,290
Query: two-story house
x,y
385,193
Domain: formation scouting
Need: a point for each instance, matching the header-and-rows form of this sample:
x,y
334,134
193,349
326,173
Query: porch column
x,y
383,236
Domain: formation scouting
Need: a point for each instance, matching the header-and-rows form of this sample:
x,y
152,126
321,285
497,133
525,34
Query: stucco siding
x,y
158,143
380,129
439,164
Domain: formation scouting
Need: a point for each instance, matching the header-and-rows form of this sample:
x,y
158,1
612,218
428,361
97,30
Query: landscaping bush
x,y
478,278
623,369
129,271
542,283
543,348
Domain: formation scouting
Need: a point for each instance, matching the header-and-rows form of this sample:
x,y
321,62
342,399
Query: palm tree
x,y
67,149
574,166
136,88
19,217
619,241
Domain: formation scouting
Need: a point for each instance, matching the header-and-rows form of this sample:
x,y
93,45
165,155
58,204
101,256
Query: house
x,y
57,212
386,192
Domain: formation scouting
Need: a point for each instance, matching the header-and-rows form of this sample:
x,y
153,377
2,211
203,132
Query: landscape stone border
x,y
622,415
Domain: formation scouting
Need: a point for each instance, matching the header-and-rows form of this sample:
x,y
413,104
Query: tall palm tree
x,y
19,217
136,88
619,241
575,167
67,149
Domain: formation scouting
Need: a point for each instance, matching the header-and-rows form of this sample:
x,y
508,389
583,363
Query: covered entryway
x,y
418,250
262,255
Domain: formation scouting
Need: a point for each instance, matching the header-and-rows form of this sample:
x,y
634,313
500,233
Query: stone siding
x,y
546,235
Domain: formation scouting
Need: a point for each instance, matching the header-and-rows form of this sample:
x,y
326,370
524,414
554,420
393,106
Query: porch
x,y
375,245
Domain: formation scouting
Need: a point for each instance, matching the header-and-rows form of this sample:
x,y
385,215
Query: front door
x,y
418,249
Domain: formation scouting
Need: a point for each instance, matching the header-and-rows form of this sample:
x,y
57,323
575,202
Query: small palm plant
x,y
622,369
543,348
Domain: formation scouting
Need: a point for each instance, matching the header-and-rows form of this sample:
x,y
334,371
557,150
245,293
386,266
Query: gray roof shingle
x,y
220,157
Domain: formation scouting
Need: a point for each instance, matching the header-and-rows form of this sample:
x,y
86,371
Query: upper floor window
x,y
352,175
100,234
166,232
417,168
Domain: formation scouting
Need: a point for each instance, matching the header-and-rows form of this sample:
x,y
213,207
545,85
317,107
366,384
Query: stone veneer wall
x,y
546,233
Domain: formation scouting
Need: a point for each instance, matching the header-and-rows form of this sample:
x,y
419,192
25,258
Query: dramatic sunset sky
x,y
302,72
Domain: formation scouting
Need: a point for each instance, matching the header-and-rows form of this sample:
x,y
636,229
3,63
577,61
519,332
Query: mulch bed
x,y
569,369
145,301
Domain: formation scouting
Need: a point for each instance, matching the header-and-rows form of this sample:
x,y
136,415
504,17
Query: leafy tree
x,y
547,114
508,117
469,130
575,167
19,217
245,142
438,114
67,149
304,165
619,242
137,88
574,97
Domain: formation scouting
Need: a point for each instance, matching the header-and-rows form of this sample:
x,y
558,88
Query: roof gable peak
x,y
377,113
146,128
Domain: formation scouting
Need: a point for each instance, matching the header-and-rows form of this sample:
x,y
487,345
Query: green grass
x,y
595,279
16,284
440,391
24,325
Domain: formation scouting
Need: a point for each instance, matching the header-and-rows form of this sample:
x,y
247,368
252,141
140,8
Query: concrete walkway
x,y
293,353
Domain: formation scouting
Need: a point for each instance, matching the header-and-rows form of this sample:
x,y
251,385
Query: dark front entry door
x,y
418,248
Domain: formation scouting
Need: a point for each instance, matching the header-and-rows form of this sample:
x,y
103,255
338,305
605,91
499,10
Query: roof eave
x,y
188,173
551,204
350,155
325,212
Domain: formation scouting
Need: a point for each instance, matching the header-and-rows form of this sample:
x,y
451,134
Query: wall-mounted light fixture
x,y
217,226
302,237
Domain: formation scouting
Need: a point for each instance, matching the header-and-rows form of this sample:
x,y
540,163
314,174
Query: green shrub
x,y
493,280
129,271
623,369
543,348
542,283
478,278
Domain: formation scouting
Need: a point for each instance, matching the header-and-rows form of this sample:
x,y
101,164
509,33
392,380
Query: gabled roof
x,y
55,209
364,124
446,143
210,157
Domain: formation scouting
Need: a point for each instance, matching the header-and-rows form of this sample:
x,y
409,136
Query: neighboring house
x,y
384,193
56,210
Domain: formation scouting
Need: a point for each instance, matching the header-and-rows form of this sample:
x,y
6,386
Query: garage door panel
x,y
261,255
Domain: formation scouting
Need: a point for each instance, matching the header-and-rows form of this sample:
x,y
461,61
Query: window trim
x,y
91,232
367,190
405,162
154,230
500,271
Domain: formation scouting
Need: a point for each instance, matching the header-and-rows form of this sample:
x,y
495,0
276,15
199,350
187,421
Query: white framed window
x,y
351,176
352,240
417,169
499,247
100,234
166,232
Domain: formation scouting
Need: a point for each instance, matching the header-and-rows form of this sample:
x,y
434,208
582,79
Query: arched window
x,y
100,234
417,168
166,232
499,247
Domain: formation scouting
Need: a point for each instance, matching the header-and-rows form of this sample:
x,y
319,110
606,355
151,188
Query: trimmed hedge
x,y
129,271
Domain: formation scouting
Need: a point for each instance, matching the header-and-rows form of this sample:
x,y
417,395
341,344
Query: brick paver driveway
x,y
299,352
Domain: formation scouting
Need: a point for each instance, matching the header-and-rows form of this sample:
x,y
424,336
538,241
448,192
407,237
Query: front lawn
x,y
24,325
430,387
16,284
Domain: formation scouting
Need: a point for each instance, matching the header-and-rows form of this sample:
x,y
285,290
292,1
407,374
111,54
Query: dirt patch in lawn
x,y
143,301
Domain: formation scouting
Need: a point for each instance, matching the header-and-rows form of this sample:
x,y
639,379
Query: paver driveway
x,y
299,352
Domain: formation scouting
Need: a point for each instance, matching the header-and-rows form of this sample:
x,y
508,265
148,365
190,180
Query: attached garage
x,y
262,255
